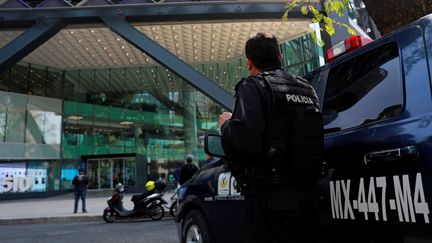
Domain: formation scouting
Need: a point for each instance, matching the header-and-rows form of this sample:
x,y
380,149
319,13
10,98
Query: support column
x,y
199,81
28,41
189,118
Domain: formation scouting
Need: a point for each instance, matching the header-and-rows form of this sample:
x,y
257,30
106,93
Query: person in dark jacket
x,y
273,141
187,170
80,182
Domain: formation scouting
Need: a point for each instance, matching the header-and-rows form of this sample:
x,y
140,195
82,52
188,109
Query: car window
x,y
364,89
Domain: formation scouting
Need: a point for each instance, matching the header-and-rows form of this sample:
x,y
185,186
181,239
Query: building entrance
x,y
105,173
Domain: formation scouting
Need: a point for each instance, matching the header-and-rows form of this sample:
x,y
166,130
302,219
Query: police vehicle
x,y
377,107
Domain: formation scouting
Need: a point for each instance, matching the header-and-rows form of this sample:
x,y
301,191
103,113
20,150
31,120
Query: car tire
x,y
196,229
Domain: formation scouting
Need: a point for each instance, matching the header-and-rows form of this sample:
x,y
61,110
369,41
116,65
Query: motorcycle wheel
x,y
173,208
109,216
156,212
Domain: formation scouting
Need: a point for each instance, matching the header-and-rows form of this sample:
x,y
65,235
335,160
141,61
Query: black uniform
x,y
274,141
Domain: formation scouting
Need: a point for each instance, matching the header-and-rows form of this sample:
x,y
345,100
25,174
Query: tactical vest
x,y
294,140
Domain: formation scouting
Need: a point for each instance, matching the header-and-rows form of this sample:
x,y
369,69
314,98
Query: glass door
x,y
118,175
105,180
93,174
108,172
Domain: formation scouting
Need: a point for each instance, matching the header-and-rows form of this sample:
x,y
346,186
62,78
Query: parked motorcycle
x,y
150,206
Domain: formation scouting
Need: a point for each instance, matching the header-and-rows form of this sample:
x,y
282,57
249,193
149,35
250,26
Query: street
x,y
162,231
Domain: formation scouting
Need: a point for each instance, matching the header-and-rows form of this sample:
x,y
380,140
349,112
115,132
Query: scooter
x,y
150,206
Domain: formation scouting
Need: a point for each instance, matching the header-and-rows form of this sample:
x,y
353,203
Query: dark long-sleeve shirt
x,y
243,134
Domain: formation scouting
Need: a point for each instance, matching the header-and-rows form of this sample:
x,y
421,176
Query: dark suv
x,y
377,108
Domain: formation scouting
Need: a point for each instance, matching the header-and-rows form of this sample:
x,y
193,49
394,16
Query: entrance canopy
x,y
178,35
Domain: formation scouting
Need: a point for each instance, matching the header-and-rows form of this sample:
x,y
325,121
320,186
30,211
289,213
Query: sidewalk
x,y
59,209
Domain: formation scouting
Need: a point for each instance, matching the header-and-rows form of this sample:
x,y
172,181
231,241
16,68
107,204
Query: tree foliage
x,y
388,15
309,7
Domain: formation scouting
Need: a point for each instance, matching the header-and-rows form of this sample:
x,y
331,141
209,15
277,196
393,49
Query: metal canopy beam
x,y
28,41
153,12
169,61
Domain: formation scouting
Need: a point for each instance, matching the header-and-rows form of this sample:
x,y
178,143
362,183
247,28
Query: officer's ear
x,y
251,67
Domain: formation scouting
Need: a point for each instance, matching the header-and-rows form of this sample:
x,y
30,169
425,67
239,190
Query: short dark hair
x,y
263,50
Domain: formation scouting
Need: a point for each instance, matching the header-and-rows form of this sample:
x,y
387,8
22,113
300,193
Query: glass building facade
x,y
123,124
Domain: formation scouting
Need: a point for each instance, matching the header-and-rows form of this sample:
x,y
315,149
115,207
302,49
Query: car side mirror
x,y
213,145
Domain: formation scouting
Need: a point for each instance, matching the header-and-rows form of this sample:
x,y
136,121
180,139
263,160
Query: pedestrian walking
x,y
80,182
187,170
274,143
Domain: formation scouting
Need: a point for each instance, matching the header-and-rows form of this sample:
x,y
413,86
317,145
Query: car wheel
x,y
196,228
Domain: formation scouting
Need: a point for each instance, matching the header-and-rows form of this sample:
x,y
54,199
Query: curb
x,y
61,220
49,220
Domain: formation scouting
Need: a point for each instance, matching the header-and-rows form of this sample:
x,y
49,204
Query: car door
x,y
377,119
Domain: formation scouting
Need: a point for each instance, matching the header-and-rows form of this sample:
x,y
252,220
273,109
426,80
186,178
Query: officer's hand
x,y
223,117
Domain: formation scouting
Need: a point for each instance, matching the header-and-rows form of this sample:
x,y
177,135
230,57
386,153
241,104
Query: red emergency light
x,y
349,44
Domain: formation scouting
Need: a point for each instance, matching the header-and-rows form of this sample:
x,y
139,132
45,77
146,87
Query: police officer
x,y
274,145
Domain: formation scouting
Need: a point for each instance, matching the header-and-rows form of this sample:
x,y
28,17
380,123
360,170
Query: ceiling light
x,y
75,118
193,27
177,44
156,37
92,31
127,54
60,42
175,37
147,60
214,26
213,35
71,32
122,47
126,123
153,28
173,27
118,39
99,40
